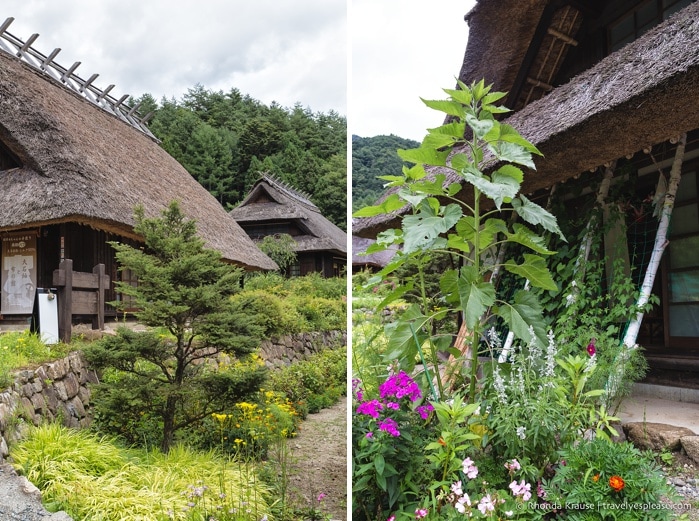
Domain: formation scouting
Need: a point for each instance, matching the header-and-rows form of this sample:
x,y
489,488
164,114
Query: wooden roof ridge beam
x,y
538,83
25,47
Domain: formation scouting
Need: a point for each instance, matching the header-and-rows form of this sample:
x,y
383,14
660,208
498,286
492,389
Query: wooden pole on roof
x,y
661,242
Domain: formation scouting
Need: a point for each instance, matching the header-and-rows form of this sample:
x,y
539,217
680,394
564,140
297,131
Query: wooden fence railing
x,y
79,293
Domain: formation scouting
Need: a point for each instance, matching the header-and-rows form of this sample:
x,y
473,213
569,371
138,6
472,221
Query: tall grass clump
x,y
91,478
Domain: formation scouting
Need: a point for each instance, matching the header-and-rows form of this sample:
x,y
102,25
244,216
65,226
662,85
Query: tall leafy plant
x,y
477,168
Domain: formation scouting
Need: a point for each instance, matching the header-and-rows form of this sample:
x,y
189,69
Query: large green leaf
x,y
463,96
526,237
512,152
432,187
535,214
454,129
473,294
390,204
424,155
488,231
501,189
421,230
524,311
453,108
401,336
534,270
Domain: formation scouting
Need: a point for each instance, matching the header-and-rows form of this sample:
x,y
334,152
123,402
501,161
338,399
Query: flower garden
x,y
513,419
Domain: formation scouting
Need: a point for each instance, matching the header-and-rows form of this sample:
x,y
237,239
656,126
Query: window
x,y
640,19
683,260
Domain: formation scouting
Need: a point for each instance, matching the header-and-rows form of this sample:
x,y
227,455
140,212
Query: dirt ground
x,y
319,462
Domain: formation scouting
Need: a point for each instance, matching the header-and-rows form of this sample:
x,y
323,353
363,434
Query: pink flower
x,y
400,385
392,517
421,513
369,435
321,497
462,503
469,468
513,465
486,504
521,489
456,488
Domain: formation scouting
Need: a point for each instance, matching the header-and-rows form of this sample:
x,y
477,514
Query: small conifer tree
x,y
184,289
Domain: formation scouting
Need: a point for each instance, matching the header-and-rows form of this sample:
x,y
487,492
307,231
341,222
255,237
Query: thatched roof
x,y
272,201
645,93
378,260
81,164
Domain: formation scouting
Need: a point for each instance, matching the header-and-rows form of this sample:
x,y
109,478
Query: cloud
x,y
401,52
273,49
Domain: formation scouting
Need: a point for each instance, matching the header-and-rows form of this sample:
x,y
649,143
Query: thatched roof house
x,y
72,173
273,207
373,261
599,83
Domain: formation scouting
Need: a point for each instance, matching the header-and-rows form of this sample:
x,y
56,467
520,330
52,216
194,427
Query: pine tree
x,y
183,288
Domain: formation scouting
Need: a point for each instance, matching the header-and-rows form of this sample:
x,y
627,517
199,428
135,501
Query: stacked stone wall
x,y
54,390
284,350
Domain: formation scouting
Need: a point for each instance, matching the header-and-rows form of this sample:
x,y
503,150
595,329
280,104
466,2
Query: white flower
x,y
521,432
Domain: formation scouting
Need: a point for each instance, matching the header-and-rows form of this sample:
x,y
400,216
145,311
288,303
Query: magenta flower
x,y
424,410
321,497
393,405
400,385
369,435
390,426
371,408
591,349
421,513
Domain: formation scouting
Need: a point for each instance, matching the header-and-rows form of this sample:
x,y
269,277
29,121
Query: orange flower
x,y
595,478
617,483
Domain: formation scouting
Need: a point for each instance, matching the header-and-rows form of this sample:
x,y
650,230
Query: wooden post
x,y
98,320
65,301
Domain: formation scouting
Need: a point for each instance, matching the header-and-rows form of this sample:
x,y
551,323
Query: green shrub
x,y
315,383
276,315
313,284
321,314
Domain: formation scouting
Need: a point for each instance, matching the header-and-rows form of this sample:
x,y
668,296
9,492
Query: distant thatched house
x,y
372,262
273,207
72,169
605,83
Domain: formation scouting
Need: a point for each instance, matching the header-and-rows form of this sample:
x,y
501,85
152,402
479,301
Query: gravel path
x,y
319,462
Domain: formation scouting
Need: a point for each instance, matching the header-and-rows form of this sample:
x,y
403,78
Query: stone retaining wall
x,y
59,389
282,351
54,390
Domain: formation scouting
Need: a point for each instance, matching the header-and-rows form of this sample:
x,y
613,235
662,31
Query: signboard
x,y
18,273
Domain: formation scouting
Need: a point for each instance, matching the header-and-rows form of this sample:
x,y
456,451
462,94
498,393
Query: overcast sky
x,y
402,51
284,51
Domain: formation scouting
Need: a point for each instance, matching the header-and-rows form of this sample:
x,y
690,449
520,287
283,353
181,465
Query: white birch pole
x,y
661,242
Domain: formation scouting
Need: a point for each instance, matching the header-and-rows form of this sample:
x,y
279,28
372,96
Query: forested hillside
x,y
226,139
372,157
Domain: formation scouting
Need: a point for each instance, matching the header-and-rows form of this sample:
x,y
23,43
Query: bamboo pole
x,y
661,242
